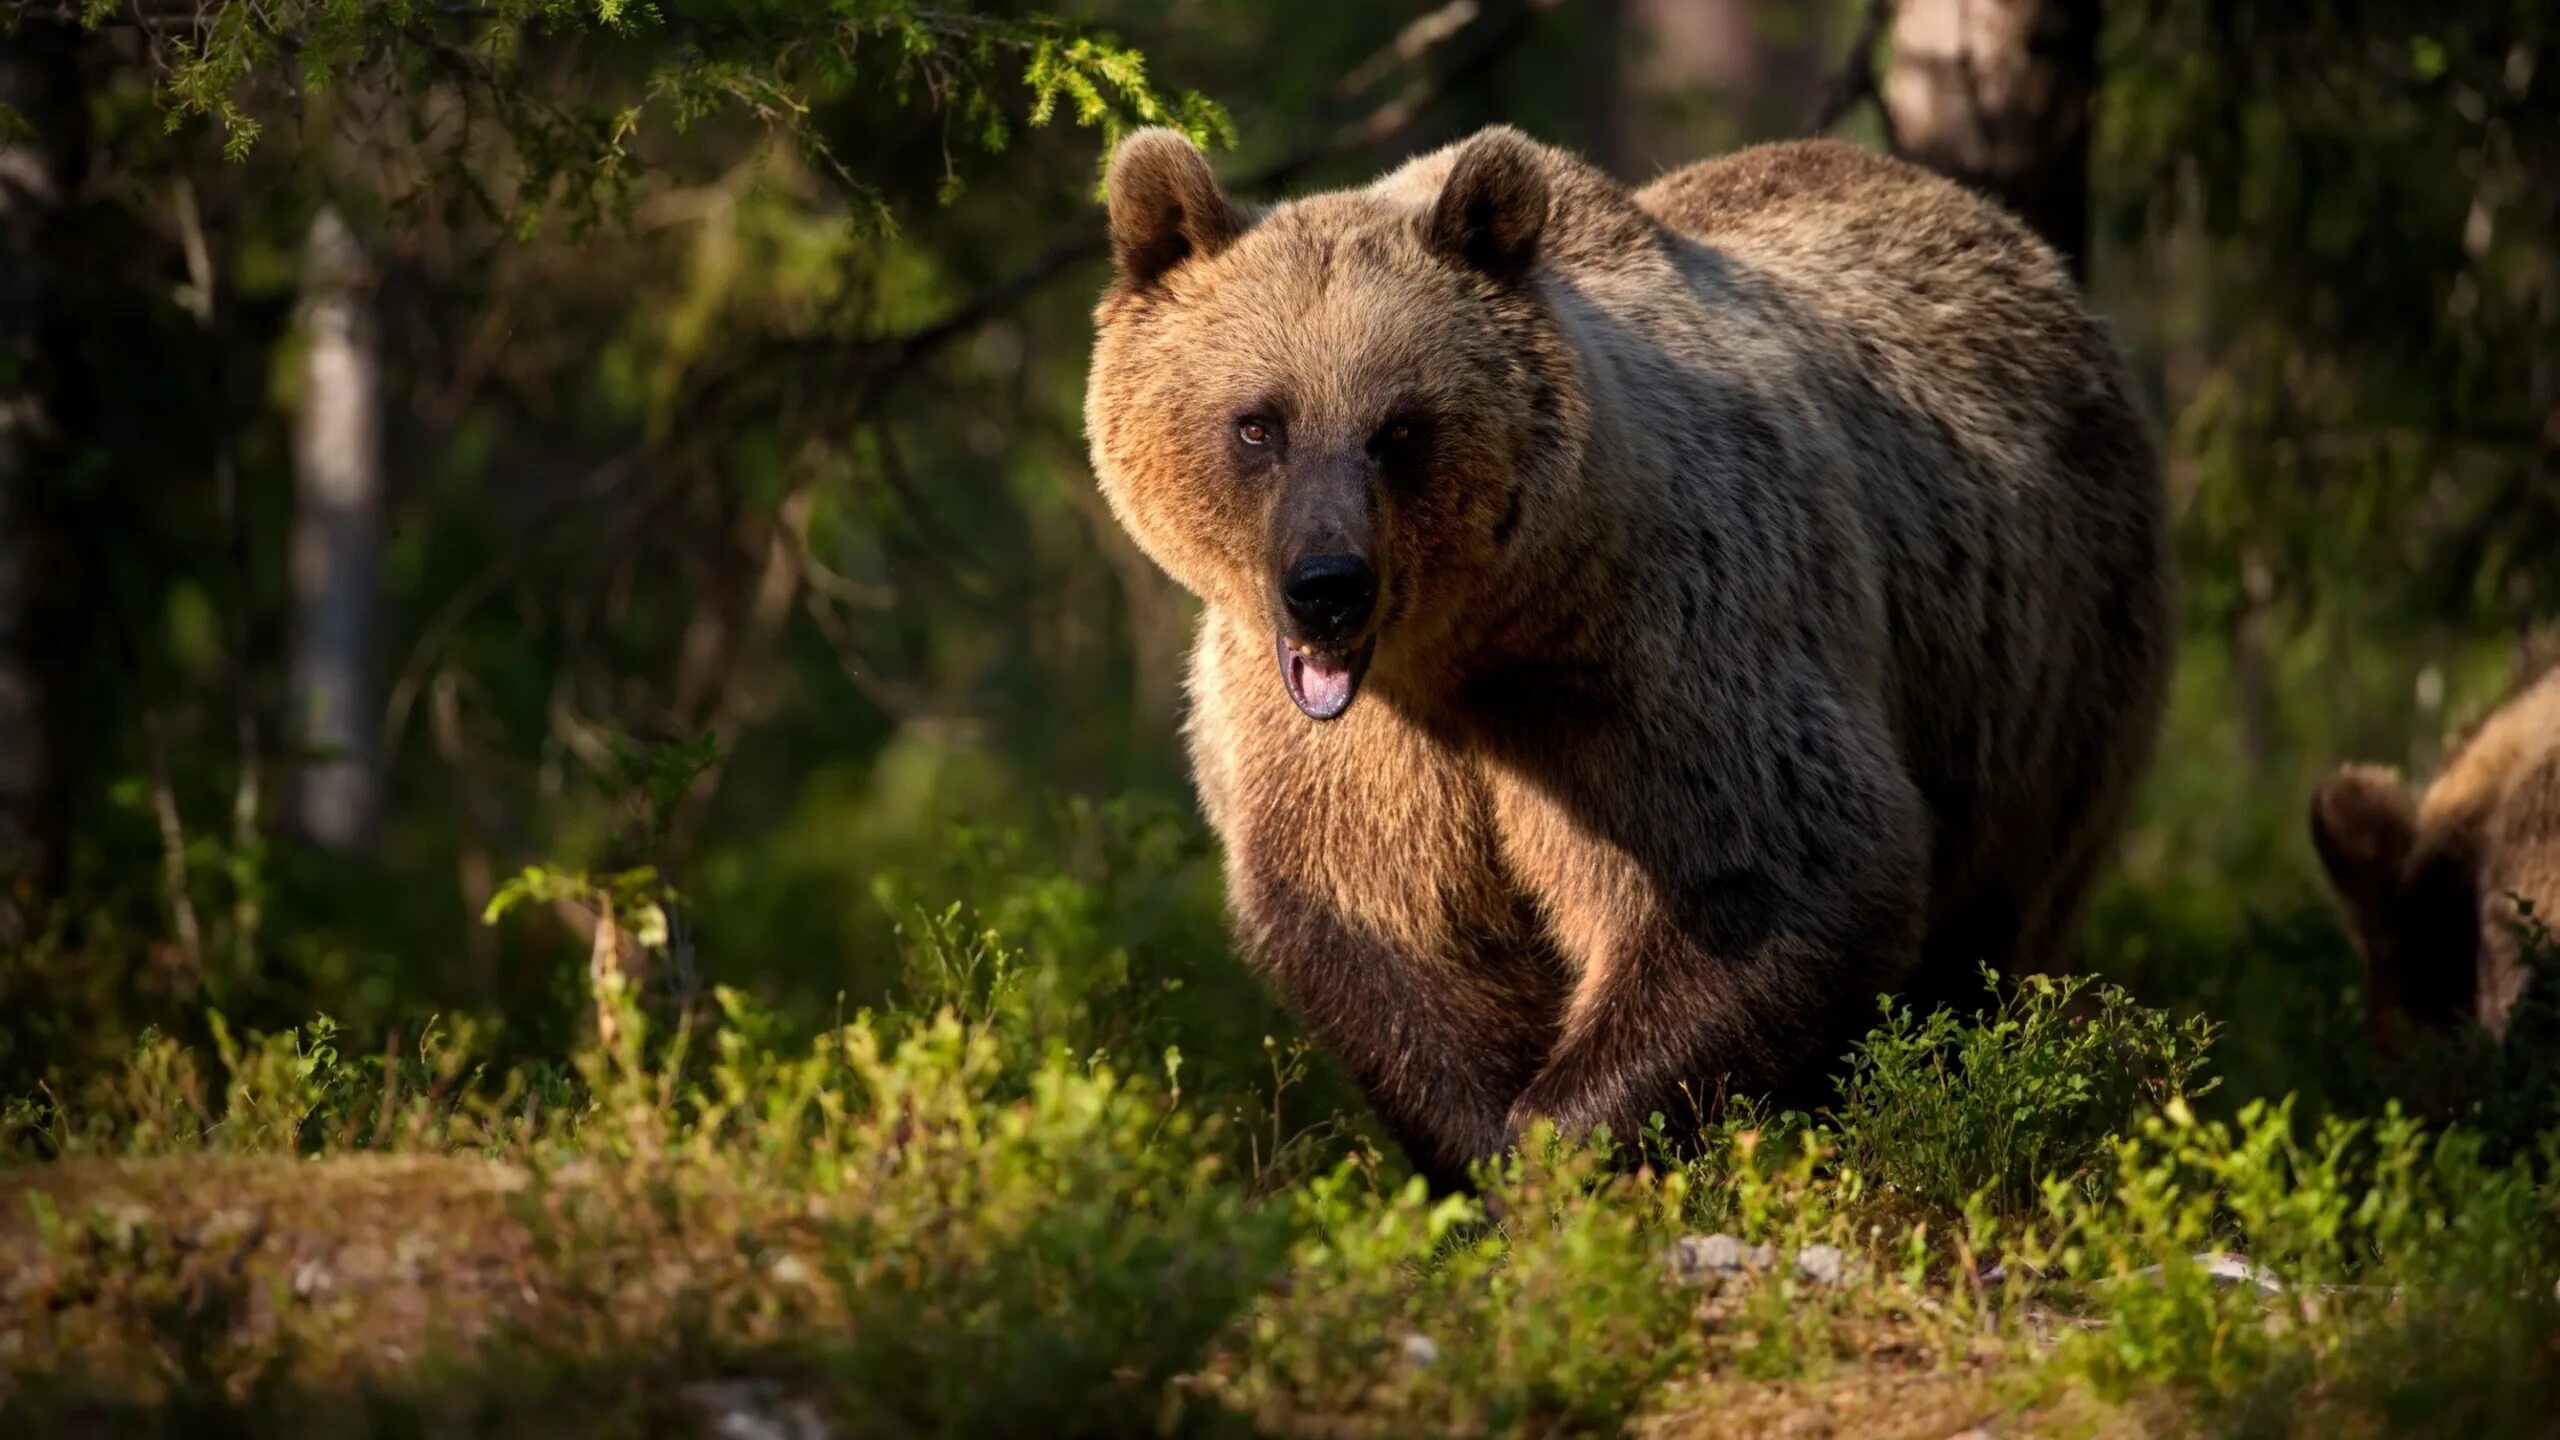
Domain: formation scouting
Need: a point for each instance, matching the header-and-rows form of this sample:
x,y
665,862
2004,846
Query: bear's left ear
x,y
1494,206
1165,206
2363,826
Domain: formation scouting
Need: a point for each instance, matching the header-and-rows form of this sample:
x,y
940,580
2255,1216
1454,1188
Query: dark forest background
x,y
644,444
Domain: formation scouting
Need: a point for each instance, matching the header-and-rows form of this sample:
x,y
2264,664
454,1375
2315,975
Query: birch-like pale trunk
x,y
337,542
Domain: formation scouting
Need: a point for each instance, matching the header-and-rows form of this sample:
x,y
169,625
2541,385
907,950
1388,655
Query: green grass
x,y
1026,1195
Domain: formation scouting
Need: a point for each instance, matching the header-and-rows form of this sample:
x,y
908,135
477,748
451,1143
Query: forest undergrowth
x,y
1042,1189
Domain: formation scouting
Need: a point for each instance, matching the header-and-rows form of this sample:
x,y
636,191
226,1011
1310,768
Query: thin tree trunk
x,y
337,541
40,173
203,297
1759,67
177,888
1997,94
2252,667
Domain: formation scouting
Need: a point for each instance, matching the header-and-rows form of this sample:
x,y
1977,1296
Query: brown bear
x,y
2433,892
1639,628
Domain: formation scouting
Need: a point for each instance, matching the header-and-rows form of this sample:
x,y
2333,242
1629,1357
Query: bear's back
x,y
1991,439
1892,267
1829,202
1749,187
2498,795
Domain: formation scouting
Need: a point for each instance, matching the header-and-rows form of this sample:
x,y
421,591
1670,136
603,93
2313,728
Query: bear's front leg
x,y
1753,997
1441,1043
1734,870
1710,970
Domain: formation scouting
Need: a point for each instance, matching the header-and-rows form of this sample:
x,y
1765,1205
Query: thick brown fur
x,y
2431,889
1776,614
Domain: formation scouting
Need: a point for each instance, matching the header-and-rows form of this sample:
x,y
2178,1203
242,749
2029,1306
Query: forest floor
x,y
315,1292
2011,1226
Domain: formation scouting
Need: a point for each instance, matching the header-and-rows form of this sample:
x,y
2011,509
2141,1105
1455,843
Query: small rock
x,y
1419,1350
1696,1259
753,1410
311,1278
1822,1265
792,1270
1762,1257
1722,1252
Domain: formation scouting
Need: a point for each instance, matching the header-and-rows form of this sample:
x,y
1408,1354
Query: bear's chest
x,y
1392,828
1397,833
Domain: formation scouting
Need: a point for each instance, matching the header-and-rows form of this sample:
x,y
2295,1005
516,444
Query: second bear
x,y
2435,891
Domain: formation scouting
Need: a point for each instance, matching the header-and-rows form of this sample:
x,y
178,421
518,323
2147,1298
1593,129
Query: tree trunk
x,y
337,541
42,153
1997,94
1699,76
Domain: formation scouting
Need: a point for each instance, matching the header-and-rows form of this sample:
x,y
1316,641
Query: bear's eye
x,y
1255,431
1398,439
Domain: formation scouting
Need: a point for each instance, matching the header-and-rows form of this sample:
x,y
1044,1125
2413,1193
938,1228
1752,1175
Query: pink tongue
x,y
1320,689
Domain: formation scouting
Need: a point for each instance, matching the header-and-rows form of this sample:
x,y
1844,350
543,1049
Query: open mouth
x,y
1322,681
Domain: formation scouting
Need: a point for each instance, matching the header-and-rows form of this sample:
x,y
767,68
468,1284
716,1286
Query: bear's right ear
x,y
1165,206
1494,206
2364,828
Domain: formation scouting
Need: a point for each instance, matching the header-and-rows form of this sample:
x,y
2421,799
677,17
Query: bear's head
x,y
1324,418
2412,909
2444,896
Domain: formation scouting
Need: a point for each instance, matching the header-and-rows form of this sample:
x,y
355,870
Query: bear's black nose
x,y
1329,596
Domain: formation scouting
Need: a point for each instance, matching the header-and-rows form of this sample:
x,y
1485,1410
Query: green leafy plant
x,y
1936,1107
686,62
